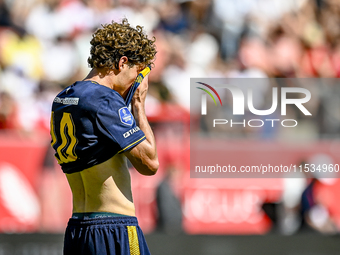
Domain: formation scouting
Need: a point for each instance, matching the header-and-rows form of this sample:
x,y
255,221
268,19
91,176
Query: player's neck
x,y
107,78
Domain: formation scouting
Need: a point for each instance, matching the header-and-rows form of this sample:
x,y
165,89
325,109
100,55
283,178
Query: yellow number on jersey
x,y
65,151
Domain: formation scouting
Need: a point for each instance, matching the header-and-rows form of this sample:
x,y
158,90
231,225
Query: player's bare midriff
x,y
105,187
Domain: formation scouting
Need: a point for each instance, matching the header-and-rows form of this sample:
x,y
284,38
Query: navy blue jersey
x,y
90,123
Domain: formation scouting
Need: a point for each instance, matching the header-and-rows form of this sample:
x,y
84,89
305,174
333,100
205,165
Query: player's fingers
x,y
138,85
145,81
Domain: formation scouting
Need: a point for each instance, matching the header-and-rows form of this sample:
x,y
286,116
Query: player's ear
x,y
122,61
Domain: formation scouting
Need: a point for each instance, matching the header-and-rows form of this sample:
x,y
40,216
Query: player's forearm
x,y
142,122
148,163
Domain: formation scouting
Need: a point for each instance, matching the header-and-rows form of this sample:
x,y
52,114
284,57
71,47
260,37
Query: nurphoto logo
x,y
238,106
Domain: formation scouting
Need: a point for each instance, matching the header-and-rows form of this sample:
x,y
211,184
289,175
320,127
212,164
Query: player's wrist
x,y
138,104
138,108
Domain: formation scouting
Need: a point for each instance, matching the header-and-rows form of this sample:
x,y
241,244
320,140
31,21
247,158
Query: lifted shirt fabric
x,y
90,123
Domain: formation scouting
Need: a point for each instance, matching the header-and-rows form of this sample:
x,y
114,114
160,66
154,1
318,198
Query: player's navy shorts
x,y
102,234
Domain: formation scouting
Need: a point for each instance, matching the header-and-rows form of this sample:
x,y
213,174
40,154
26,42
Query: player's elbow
x,y
144,163
155,167
152,167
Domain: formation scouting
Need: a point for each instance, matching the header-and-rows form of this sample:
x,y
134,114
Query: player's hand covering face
x,y
136,84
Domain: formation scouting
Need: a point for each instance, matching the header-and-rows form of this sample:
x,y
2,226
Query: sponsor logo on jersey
x,y
67,100
130,132
125,116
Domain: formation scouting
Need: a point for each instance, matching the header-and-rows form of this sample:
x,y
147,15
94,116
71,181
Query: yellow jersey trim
x,y
145,71
131,144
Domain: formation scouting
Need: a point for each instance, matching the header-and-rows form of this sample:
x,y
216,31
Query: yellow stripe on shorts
x,y
133,240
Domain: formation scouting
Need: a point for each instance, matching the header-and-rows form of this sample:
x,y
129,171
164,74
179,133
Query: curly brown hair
x,y
113,41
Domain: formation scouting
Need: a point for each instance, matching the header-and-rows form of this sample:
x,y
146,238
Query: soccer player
x,y
93,132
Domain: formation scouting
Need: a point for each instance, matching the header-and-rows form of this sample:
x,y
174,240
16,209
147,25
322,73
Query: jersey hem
x,y
132,144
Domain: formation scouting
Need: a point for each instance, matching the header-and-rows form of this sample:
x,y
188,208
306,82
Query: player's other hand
x,y
136,84
140,93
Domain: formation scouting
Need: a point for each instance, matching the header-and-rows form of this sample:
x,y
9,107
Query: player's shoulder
x,y
89,94
96,91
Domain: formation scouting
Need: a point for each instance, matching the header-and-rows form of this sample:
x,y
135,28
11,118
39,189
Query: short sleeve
x,y
116,122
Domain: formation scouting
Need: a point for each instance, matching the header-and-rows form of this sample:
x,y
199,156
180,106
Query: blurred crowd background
x,y
44,46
